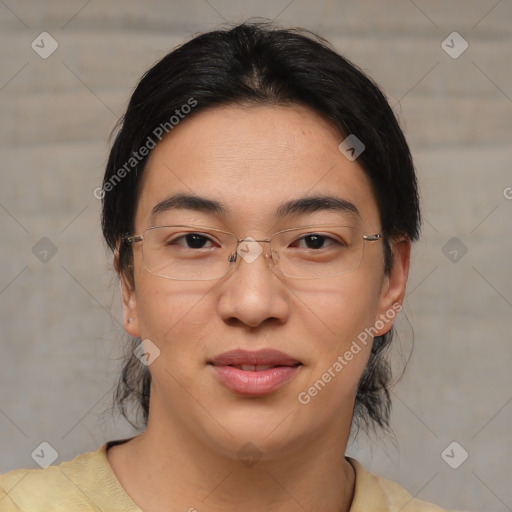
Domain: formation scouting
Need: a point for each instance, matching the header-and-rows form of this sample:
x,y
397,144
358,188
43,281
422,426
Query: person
x,y
260,200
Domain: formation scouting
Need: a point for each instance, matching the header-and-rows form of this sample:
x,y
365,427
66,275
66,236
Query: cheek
x,y
337,312
335,322
174,316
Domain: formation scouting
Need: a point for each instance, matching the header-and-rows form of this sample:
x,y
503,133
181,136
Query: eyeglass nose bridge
x,y
272,254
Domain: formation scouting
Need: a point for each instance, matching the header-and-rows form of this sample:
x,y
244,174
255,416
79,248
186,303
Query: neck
x,y
168,468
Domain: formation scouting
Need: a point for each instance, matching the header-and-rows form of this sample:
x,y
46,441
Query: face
x,y
251,160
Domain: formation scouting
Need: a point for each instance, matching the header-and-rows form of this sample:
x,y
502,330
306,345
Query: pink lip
x,y
263,356
254,383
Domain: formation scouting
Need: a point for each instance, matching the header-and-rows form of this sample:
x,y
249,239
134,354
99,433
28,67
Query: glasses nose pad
x,y
274,258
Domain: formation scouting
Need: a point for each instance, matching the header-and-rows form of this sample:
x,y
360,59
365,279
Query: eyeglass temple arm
x,y
132,239
373,238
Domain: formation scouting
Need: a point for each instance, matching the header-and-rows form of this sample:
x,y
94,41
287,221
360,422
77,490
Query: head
x,y
247,120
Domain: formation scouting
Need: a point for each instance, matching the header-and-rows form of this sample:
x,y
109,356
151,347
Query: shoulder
x,y
85,483
373,492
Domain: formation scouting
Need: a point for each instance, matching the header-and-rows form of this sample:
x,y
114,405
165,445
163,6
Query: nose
x,y
253,294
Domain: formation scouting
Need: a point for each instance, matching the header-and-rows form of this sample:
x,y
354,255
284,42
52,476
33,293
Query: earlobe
x,y
393,287
128,300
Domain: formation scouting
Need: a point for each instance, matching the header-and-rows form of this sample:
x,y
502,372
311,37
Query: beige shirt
x,y
88,484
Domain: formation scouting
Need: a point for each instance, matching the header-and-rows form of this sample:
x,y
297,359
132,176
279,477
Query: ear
x,y
128,300
393,286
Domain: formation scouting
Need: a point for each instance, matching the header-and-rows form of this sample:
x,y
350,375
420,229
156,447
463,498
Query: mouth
x,y
254,373
256,367
257,360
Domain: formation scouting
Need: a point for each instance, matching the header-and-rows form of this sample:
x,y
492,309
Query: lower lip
x,y
254,383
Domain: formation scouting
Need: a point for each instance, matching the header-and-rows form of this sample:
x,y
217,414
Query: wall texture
x,y
60,338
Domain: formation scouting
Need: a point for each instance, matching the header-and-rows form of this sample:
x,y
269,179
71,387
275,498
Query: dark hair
x,y
258,63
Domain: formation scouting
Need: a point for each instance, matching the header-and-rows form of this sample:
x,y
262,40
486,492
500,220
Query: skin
x,y
251,159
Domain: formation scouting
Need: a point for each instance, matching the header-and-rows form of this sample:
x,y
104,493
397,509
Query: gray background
x,y
60,338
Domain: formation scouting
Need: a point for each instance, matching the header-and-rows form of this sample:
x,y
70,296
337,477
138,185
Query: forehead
x,y
252,160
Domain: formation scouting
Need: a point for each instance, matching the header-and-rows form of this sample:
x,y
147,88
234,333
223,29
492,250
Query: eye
x,y
190,240
315,241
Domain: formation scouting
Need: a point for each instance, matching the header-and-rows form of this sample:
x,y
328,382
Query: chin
x,y
270,431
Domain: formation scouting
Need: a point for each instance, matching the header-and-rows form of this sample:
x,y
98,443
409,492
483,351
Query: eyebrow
x,y
299,206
